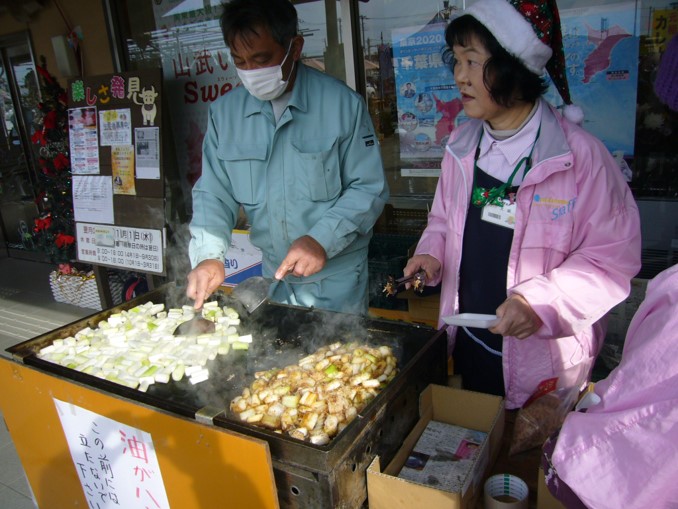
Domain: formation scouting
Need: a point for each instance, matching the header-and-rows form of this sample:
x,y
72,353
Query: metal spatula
x,y
254,291
195,326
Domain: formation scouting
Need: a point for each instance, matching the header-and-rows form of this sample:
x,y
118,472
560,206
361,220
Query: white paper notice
x,y
147,149
138,249
116,127
93,198
117,464
82,136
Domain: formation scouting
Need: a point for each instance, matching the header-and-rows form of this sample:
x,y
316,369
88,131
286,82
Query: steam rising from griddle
x,y
282,335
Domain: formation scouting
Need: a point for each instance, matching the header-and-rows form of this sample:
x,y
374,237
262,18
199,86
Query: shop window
x,y
411,95
187,44
612,48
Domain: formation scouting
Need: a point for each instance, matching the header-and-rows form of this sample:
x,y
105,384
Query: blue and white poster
x,y
601,53
429,104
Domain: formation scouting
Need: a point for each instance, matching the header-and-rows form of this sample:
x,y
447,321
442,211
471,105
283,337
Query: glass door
x,y
19,97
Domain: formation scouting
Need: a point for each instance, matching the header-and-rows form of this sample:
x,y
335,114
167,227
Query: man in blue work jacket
x,y
296,149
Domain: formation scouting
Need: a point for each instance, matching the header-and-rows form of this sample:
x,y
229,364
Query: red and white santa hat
x,y
530,31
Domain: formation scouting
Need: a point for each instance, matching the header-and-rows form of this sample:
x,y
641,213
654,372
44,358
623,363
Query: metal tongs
x,y
393,285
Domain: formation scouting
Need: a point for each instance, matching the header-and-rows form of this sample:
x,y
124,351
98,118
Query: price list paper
x,y
138,249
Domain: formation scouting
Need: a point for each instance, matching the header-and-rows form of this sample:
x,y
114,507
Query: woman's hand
x,y
516,318
422,262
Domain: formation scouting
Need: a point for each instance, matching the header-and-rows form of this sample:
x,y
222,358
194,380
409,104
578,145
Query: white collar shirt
x,y
499,158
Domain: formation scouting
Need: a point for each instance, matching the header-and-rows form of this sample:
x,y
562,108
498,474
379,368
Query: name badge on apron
x,y
502,216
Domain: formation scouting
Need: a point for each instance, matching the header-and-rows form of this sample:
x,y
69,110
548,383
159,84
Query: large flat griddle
x,y
307,475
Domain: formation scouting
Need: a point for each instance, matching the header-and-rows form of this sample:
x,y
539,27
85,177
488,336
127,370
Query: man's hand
x,y
422,262
203,280
304,258
516,318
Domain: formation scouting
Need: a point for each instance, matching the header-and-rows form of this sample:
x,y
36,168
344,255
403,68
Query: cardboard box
x,y
422,308
243,260
473,410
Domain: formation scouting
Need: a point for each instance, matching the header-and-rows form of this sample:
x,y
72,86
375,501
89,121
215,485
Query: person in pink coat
x,y
532,219
623,450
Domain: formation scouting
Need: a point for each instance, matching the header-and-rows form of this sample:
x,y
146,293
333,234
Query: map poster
x,y
601,53
428,100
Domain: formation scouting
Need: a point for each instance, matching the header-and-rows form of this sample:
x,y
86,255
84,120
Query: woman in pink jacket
x,y
623,451
532,219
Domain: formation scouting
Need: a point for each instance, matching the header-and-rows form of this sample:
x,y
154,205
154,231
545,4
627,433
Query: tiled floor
x,y
27,309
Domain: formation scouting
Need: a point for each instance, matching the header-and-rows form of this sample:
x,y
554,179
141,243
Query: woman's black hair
x,y
242,18
506,77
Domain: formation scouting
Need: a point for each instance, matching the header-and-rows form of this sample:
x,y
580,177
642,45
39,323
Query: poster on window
x,y
194,79
196,72
601,55
429,104
664,28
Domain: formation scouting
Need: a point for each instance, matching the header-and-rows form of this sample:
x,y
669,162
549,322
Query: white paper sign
x,y
116,463
93,198
83,137
116,127
147,151
139,249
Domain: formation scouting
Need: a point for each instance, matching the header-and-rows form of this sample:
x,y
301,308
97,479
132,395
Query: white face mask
x,y
266,83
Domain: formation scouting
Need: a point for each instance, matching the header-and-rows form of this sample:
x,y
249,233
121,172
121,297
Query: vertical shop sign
x,y
116,464
664,27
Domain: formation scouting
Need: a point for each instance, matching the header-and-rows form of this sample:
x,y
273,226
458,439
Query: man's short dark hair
x,y
242,18
504,75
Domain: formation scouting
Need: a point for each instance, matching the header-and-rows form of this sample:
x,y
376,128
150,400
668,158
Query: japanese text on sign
x,y
133,248
116,464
